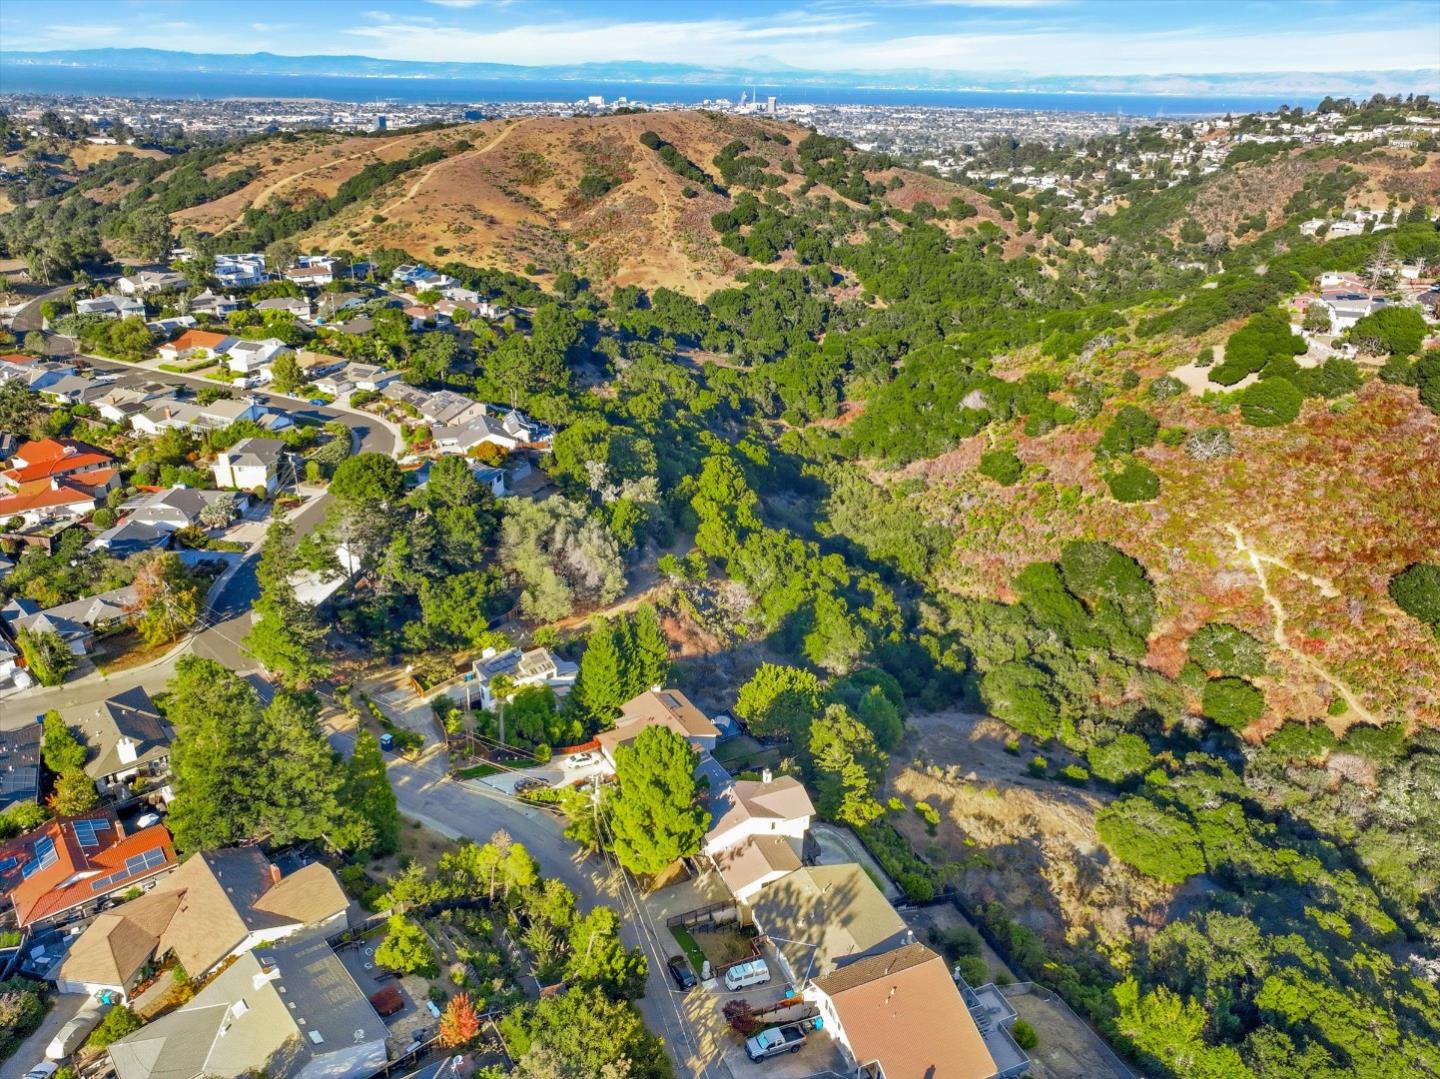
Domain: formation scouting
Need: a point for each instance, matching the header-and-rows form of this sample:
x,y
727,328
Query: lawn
x,y
690,948
744,753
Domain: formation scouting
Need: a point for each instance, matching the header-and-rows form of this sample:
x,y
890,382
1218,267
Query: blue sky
x,y
989,39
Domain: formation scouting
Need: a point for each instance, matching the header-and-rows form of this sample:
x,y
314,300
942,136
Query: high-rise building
x,y
379,123
770,104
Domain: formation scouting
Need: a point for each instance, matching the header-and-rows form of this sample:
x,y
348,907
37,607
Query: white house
x,y
757,830
254,357
250,463
313,276
148,281
195,345
537,667
240,270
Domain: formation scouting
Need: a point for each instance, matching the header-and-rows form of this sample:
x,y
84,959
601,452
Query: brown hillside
x,y
1230,196
293,172
513,199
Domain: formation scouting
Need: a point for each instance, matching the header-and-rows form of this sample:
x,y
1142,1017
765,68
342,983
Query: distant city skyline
x,y
1077,45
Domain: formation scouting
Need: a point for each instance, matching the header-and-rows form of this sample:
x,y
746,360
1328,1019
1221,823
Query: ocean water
x,y
25,78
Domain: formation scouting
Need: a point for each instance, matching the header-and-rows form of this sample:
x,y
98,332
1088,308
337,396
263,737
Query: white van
x,y
751,972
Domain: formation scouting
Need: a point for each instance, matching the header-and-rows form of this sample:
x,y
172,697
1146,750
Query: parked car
x,y
680,971
579,760
73,1034
771,1043
43,1070
530,783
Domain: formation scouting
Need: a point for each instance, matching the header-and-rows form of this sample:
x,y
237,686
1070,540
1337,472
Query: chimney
x,y
656,688
274,874
125,749
767,777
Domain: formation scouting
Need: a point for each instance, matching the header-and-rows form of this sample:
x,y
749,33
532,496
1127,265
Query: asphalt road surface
x,y
458,809
229,616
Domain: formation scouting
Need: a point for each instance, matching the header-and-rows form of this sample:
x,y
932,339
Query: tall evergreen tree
x,y
217,721
655,815
652,649
367,793
287,637
600,688
301,774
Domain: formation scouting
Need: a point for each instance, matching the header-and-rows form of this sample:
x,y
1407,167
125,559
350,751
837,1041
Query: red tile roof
x,y
19,358
92,857
196,339
51,457
42,494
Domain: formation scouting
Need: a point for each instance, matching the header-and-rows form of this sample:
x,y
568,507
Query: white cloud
x,y
454,3
848,42
269,27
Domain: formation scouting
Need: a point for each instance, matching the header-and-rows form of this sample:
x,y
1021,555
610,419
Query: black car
x,y
680,971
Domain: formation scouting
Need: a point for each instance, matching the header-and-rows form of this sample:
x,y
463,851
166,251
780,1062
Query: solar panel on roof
x,y
43,858
85,832
7,864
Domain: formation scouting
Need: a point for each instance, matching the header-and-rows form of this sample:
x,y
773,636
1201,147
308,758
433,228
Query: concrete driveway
x,y
64,1007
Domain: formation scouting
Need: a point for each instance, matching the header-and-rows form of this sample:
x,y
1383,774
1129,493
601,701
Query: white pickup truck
x,y
771,1043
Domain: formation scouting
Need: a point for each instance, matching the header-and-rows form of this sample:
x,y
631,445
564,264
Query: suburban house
x,y
19,760
164,327
99,612
240,270
899,1015
35,372
355,376
507,430
823,917
12,675
537,667
254,357
330,304
111,306
148,281
250,464
195,345
127,739
68,866
41,501
213,304
292,305
195,417
757,831
315,275
75,390
419,278
1348,307
25,614
662,708
290,1010
131,537
217,904
176,508
52,479
120,403
52,458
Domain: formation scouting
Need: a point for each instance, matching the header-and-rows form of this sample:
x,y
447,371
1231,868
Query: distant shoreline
x,y
59,80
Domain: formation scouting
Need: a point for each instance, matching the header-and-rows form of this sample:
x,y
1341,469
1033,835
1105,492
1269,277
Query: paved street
x,y
474,811
228,619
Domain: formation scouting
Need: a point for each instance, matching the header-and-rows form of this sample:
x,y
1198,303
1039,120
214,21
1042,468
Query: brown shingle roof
x,y
903,1009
